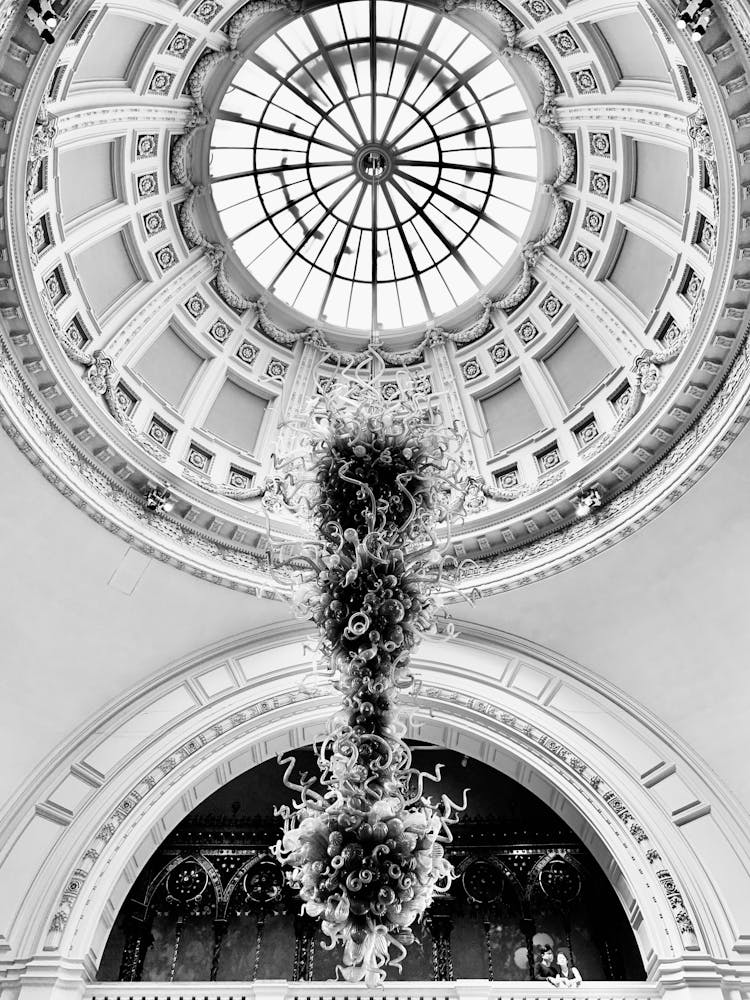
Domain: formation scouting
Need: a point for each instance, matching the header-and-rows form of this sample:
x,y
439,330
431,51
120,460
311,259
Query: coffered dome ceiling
x,y
533,208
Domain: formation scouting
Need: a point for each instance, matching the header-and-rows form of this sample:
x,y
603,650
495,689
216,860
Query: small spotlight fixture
x,y
464,761
159,500
43,18
694,16
586,501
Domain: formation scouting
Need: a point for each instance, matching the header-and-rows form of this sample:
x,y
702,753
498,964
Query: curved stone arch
x,y
185,750
493,697
518,755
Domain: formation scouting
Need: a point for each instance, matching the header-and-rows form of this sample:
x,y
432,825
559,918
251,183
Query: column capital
x,y
696,972
45,977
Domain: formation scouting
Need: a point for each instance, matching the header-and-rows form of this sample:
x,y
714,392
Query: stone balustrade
x,y
463,989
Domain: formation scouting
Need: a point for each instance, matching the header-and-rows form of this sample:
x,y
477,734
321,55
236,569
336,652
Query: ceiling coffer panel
x,y
112,49
107,272
87,178
576,367
236,416
634,48
661,176
640,272
169,365
510,416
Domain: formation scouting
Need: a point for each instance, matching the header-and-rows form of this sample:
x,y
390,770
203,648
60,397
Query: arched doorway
x,y
660,828
210,904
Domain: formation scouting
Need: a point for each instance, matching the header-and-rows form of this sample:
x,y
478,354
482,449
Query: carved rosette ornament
x,y
99,373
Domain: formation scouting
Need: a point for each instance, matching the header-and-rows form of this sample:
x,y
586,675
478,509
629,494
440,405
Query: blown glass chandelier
x,y
363,844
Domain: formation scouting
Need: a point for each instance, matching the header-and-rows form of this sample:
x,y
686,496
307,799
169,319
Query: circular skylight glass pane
x,y
373,164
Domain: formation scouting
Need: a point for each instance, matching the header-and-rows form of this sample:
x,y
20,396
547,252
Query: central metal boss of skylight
x,y
373,163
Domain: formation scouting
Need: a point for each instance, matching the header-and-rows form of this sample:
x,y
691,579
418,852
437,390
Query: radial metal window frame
x,y
335,204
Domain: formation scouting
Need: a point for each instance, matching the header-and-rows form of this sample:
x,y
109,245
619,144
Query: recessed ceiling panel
x,y
661,178
510,416
106,271
634,47
111,50
577,366
86,177
640,272
169,366
236,416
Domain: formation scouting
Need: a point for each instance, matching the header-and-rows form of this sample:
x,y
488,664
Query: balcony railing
x,y
463,989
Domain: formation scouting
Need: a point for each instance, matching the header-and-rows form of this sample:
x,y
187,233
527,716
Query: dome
x,y
213,211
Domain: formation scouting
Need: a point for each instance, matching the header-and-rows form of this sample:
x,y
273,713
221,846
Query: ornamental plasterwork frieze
x,y
95,120
580,769
507,725
546,114
703,143
654,119
219,733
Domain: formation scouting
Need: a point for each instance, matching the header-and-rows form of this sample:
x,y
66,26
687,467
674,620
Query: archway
x,y
210,904
661,828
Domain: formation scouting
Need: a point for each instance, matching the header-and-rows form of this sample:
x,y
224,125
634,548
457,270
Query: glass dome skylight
x,y
373,164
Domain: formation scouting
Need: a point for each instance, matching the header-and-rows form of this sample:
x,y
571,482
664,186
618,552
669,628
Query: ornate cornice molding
x,y
102,497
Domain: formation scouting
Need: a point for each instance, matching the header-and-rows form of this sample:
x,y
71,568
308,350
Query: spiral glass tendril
x,y
363,845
